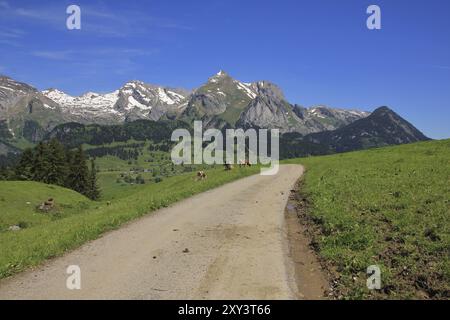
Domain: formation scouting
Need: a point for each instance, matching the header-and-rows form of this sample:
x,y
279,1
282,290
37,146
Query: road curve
x,y
227,243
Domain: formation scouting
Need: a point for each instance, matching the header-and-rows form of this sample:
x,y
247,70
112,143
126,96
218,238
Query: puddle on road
x,y
290,208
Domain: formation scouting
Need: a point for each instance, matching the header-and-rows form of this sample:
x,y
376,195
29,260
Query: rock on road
x,y
226,243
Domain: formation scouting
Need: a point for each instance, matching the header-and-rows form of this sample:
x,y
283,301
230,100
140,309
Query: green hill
x,y
76,219
388,207
19,199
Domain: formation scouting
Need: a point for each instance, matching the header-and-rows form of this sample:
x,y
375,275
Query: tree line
x,y
74,134
122,152
52,163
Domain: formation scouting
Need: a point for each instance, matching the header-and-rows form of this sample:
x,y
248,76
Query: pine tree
x,y
5,173
23,171
93,189
78,173
57,170
41,165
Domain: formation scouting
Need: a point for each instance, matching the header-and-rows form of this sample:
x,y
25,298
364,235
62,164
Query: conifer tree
x,y
23,171
57,169
93,189
53,164
78,174
5,173
41,164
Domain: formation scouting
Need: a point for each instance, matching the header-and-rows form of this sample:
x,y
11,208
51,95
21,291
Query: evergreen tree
x,y
41,165
5,173
57,169
93,189
51,163
24,169
78,173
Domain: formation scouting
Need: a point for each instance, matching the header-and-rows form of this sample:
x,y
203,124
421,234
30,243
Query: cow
x,y
201,175
46,206
244,163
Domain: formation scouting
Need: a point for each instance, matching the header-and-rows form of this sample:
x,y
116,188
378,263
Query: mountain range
x,y
221,102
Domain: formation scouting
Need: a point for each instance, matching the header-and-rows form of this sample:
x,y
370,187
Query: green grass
x,y
79,219
388,207
19,199
150,165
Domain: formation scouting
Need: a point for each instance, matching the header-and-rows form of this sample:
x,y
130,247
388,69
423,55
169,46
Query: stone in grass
x,y
14,228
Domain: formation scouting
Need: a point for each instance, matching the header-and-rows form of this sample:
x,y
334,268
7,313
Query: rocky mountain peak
x,y
219,77
221,102
222,73
268,89
6,83
382,111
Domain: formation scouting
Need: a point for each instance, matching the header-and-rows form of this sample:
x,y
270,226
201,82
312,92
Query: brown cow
x,y
201,175
244,163
228,167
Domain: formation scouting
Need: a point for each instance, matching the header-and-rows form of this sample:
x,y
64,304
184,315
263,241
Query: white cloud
x,y
11,33
95,20
53,55
75,55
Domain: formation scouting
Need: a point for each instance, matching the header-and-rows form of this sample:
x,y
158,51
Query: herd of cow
x,y
201,175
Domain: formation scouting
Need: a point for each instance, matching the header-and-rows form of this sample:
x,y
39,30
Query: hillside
x,y
19,200
77,220
381,128
141,112
221,102
386,207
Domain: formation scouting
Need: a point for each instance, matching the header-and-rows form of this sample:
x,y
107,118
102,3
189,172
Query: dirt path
x,y
227,243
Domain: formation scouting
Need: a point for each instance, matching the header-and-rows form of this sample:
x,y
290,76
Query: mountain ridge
x,y
222,102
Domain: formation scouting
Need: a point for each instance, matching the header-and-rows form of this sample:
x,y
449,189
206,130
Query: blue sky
x,y
318,52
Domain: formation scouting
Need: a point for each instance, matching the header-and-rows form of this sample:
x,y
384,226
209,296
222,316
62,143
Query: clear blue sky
x,y
317,51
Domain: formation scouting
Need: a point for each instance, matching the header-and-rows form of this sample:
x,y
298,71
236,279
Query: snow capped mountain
x,y
135,100
90,104
222,77
324,112
221,102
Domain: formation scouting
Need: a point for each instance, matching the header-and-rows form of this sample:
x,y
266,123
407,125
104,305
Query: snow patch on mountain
x,y
134,99
246,87
90,102
132,103
169,97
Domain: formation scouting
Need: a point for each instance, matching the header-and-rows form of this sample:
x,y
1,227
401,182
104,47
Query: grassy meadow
x,y
388,207
117,177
